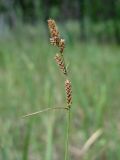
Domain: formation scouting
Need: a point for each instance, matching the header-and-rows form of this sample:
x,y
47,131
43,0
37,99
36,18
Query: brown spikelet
x,y
60,62
55,37
68,92
53,28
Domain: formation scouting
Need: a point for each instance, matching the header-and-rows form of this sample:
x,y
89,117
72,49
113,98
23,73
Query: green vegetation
x,y
87,13
30,81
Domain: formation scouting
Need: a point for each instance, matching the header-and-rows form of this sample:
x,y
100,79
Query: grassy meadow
x,y
30,81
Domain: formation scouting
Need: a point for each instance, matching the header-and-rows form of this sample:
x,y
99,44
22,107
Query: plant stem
x,y
67,136
27,140
44,110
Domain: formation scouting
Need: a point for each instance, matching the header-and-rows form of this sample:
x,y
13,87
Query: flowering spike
x,y
60,62
68,92
55,38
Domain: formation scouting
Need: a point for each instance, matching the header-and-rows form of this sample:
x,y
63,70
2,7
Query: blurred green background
x,y
30,80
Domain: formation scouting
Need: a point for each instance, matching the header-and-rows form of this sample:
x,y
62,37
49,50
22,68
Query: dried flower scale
x,y
62,45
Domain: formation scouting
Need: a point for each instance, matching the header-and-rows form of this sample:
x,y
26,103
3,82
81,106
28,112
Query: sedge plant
x,y
58,42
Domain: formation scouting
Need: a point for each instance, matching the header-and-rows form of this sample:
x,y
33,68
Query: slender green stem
x,y
67,136
44,110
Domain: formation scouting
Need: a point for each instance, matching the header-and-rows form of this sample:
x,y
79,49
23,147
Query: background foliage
x,y
30,80
93,15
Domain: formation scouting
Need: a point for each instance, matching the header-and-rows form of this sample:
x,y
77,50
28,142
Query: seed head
x,y
60,62
68,92
55,38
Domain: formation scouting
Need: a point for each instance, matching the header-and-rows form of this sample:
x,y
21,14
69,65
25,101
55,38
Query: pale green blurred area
x,y
30,81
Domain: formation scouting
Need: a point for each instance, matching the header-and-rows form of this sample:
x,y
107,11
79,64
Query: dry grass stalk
x,y
93,138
